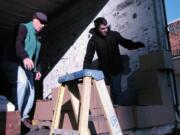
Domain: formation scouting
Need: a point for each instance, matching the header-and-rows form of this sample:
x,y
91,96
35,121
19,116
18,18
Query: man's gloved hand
x,y
140,44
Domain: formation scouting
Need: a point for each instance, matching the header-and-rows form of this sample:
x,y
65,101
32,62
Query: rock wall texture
x,y
137,20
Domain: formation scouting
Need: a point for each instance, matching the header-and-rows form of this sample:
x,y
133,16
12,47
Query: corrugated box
x,y
127,97
153,88
99,127
125,116
151,79
151,116
44,110
155,96
131,117
10,123
66,100
97,121
67,120
156,60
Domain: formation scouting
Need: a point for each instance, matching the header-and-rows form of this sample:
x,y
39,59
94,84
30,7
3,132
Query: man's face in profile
x,y
103,29
38,25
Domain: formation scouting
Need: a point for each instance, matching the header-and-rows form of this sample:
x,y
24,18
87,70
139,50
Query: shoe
x,y
27,122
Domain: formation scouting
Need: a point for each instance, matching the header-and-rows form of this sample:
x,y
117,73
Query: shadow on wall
x,y
119,96
127,97
65,28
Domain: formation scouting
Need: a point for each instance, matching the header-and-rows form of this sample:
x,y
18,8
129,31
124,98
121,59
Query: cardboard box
x,y
43,110
156,60
125,116
127,97
67,120
66,100
10,123
155,96
152,116
97,121
151,79
153,88
131,117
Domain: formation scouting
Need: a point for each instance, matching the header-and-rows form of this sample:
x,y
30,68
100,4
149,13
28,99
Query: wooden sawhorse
x,y
82,104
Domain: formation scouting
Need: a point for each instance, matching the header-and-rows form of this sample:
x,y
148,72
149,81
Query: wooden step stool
x,y
82,104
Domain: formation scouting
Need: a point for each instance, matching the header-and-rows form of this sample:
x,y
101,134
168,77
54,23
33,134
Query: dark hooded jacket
x,y
107,49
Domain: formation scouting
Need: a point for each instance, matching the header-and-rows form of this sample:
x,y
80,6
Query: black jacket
x,y
107,49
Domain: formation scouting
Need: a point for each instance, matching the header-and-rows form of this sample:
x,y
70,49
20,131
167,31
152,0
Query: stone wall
x,y
66,40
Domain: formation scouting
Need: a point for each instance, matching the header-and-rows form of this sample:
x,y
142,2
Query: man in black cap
x,y
105,42
21,72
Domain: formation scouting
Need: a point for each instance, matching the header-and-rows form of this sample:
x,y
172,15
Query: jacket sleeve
x,y
21,35
89,54
129,44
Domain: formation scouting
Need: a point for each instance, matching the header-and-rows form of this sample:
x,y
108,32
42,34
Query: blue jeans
x,y
22,83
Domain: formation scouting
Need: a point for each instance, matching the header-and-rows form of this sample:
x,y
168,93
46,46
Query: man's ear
x,y
109,27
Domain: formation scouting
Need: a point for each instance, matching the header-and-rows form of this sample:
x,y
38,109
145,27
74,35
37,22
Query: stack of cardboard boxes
x,y
155,90
155,105
139,117
153,82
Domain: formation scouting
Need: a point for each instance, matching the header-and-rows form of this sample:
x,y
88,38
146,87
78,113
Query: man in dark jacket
x,y
20,70
105,42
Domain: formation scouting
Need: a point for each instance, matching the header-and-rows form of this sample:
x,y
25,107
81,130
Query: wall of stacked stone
x,y
137,20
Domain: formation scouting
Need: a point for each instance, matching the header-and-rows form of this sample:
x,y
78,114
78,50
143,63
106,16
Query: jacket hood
x,y
93,31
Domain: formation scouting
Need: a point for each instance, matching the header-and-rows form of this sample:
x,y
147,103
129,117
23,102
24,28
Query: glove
x,y
141,45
